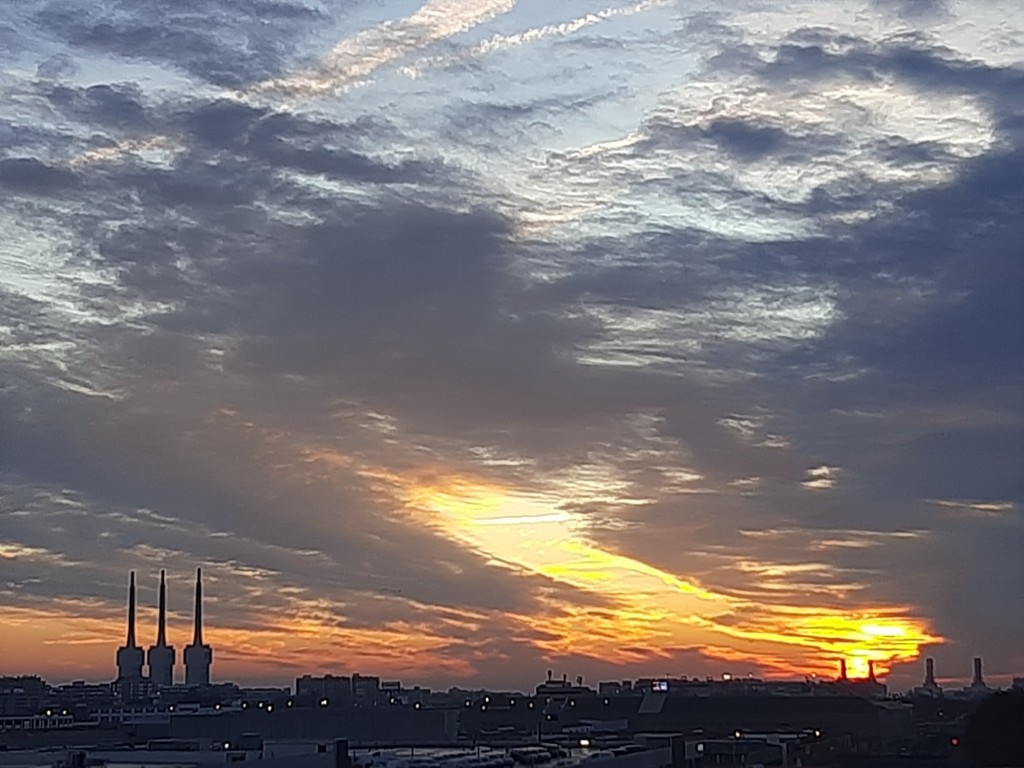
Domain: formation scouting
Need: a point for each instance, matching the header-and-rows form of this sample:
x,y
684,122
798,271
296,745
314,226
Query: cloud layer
x,y
465,340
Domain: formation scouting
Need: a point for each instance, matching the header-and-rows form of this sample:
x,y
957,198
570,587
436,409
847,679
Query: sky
x,y
460,340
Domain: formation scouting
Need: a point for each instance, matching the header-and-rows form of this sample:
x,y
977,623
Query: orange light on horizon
x,y
628,611
650,608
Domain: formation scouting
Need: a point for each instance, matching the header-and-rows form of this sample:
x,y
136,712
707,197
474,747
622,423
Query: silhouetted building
x,y
615,687
366,690
198,656
861,723
978,681
130,656
161,656
336,690
22,695
83,695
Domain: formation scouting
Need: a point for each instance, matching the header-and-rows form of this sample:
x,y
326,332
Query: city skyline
x,y
164,672
465,339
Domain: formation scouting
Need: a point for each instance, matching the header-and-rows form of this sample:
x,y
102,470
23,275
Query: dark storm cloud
x,y
216,504
291,316
411,293
252,135
11,42
965,237
265,307
224,42
408,289
482,123
31,176
117,106
56,67
747,140
911,61
319,147
914,9
928,336
374,294
26,320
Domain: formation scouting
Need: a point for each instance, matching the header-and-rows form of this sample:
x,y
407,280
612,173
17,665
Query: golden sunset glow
x,y
651,608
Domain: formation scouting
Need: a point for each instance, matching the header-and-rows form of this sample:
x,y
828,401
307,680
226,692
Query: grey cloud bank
x,y
781,299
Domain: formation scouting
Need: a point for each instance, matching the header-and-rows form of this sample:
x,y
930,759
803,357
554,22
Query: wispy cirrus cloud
x,y
351,60
983,508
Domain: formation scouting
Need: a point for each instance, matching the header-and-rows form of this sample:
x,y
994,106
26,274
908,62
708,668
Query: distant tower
x,y
871,670
929,674
198,657
130,655
979,681
842,670
161,655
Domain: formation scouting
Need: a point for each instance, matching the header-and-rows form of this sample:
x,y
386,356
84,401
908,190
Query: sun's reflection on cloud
x,y
649,612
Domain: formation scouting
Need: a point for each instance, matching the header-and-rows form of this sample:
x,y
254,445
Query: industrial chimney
x,y
842,670
130,656
979,681
161,655
929,673
198,656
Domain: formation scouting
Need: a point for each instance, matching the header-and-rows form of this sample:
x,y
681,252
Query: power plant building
x,y
161,655
130,656
198,656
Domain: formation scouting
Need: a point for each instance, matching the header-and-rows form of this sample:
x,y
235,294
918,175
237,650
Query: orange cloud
x,y
651,608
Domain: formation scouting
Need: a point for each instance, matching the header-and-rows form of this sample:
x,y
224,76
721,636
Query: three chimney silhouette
x,y
161,656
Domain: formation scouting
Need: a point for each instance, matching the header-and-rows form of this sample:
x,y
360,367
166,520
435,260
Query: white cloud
x,y
497,43
969,507
821,478
352,60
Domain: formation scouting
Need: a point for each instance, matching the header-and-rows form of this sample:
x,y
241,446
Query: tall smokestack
x,y
161,656
198,656
130,642
871,669
197,634
929,673
161,626
842,670
129,656
979,681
